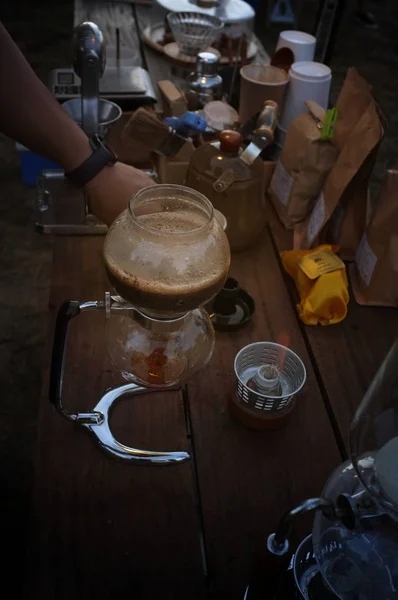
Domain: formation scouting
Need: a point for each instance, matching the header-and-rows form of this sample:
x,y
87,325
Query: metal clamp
x,y
97,420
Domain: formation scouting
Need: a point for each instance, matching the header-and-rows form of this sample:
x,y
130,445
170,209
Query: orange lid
x,y
230,140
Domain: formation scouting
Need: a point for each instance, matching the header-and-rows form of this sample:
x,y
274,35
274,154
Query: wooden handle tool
x,y
145,127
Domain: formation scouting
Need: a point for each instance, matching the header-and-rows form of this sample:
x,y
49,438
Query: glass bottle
x,y
205,84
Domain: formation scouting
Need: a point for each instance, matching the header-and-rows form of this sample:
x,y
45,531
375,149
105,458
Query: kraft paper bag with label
x,y
374,274
346,187
302,168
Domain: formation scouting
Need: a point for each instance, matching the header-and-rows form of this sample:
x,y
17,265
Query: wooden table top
x,y
105,529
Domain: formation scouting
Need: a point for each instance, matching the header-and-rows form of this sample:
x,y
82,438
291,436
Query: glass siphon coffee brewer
x,y
166,256
353,553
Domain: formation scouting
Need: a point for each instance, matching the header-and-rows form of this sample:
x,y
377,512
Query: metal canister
x,y
205,84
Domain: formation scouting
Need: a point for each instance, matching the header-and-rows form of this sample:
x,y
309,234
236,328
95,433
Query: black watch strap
x,y
101,157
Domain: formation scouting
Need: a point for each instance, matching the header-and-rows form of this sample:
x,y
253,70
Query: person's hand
x,y
109,192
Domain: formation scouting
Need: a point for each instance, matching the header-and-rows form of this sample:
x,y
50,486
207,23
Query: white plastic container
x,y
300,43
307,81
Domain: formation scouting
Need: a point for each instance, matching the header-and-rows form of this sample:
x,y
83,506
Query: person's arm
x,y
31,115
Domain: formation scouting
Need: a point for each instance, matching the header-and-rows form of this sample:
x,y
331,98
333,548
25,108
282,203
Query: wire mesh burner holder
x,y
292,373
96,421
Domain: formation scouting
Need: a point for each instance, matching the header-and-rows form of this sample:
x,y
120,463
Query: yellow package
x,y
321,282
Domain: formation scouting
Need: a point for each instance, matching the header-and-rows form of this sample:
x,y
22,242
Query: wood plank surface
x,y
249,478
106,529
347,355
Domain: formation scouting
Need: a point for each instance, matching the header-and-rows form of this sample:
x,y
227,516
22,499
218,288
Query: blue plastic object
x,y
188,124
32,164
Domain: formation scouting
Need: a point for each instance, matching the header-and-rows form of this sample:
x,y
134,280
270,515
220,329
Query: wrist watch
x,y
102,156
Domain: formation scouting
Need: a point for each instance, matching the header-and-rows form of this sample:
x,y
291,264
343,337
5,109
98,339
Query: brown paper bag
x,y
374,274
302,168
346,185
349,220
354,98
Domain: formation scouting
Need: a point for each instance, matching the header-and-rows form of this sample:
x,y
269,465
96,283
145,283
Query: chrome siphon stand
x,y
96,421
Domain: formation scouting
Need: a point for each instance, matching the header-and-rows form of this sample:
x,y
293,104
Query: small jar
x,y
205,85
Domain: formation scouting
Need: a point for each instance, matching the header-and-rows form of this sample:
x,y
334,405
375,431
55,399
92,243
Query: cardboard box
x,y
174,103
174,170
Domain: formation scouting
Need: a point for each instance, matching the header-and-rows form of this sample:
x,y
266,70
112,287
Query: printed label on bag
x,y
319,262
281,183
366,260
317,219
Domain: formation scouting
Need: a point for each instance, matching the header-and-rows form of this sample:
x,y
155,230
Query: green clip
x,y
329,124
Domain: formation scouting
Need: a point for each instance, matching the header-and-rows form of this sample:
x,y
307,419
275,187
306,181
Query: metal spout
x,y
89,65
278,542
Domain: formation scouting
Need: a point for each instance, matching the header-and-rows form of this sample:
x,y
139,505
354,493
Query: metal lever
x,y
97,420
89,65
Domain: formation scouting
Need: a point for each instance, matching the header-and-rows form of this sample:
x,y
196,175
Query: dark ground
x,y
42,30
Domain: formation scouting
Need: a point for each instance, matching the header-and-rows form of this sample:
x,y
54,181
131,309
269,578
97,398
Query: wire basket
x,y
193,31
291,369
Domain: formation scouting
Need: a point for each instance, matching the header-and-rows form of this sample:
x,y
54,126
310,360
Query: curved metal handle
x,y
65,314
106,440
